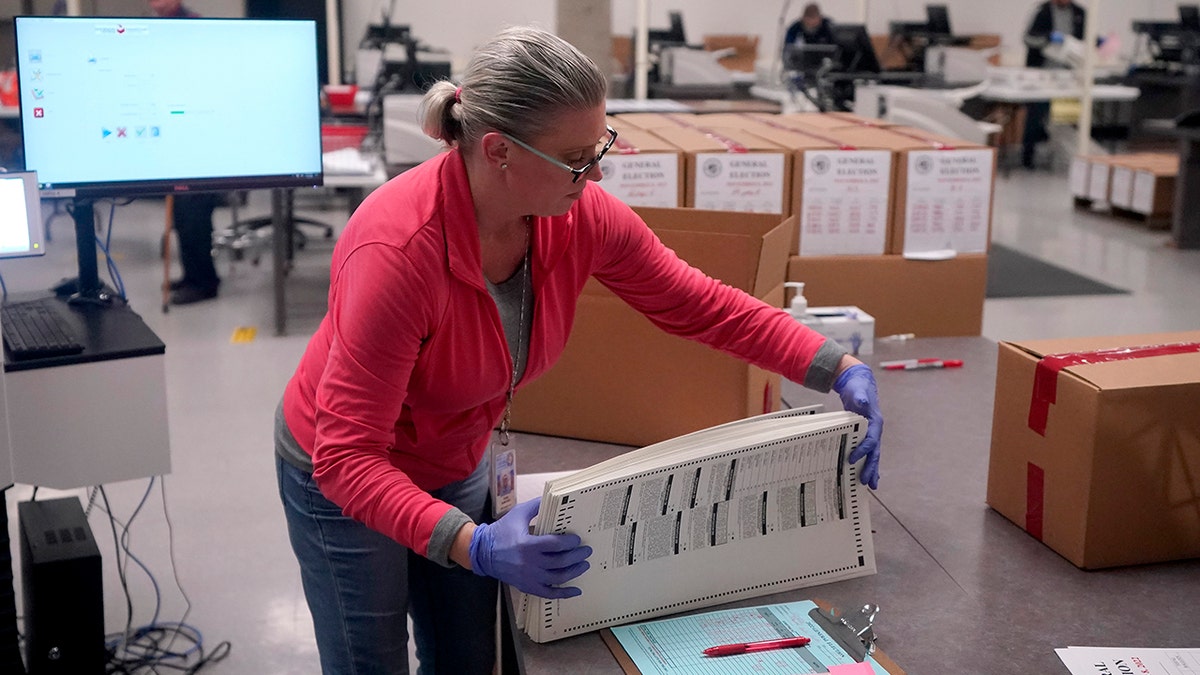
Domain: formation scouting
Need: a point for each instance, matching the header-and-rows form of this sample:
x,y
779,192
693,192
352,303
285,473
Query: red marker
x,y
921,364
744,647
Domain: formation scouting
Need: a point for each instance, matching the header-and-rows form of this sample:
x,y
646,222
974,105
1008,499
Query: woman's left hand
x,y
856,386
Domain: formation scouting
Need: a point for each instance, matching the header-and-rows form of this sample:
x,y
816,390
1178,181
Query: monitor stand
x,y
85,289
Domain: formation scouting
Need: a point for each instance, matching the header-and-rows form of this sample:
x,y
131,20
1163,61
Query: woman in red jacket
x,y
451,286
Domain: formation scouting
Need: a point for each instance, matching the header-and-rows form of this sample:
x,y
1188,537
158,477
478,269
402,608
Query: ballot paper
x,y
749,508
1130,661
676,646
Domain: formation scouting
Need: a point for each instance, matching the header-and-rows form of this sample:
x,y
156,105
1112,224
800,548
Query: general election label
x,y
949,201
845,205
750,181
650,179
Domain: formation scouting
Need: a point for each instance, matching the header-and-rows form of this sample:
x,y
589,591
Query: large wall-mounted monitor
x,y
127,106
21,230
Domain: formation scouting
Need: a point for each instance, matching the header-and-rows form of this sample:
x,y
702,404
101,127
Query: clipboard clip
x,y
853,631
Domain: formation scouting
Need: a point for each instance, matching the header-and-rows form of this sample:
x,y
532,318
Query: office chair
x,y
252,237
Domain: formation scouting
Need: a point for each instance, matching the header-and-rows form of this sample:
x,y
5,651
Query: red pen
x,y
743,647
921,364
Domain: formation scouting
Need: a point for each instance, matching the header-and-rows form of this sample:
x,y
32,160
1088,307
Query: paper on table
x,y
676,646
531,485
1143,661
863,668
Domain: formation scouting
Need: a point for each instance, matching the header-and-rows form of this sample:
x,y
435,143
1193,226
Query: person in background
x,y
171,9
191,214
1053,20
451,287
813,28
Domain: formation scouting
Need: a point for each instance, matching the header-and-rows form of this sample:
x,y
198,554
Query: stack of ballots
x,y
752,507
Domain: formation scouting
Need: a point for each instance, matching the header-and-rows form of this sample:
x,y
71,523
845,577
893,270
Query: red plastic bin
x,y
338,136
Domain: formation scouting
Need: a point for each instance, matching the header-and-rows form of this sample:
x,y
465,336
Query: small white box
x,y
850,327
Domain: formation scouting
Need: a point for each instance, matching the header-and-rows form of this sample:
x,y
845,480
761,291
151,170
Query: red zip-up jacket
x,y
407,374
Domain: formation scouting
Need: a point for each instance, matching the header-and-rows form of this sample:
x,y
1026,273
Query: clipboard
x,y
853,631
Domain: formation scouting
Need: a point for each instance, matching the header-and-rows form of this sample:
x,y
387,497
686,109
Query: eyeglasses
x,y
577,172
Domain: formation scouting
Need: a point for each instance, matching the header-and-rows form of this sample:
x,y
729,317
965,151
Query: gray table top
x,y
961,589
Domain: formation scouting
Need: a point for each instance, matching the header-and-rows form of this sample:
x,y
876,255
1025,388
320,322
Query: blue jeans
x,y
359,585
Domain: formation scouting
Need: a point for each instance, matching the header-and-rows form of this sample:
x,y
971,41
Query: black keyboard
x,y
34,330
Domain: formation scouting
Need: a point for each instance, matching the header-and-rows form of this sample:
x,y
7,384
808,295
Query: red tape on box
x,y
730,144
626,148
1045,379
937,145
807,132
1035,491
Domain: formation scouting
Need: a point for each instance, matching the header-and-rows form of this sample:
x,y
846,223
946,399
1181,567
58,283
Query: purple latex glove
x,y
856,386
535,564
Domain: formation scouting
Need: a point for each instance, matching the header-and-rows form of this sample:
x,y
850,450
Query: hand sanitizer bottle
x,y
799,307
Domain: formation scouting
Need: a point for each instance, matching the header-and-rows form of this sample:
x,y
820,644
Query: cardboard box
x,y
841,195
1080,176
823,121
1154,187
745,50
1120,188
655,120
1102,462
642,169
623,380
943,191
1123,176
1120,191
731,170
1099,170
941,298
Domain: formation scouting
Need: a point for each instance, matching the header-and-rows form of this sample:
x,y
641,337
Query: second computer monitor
x,y
21,230
938,17
856,53
1189,18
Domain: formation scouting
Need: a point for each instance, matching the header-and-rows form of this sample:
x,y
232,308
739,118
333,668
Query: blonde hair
x,y
516,84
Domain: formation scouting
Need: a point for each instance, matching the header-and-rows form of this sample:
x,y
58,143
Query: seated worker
x,y
813,28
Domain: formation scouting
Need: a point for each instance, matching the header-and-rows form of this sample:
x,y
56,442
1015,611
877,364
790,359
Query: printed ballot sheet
x,y
746,509
1130,661
676,646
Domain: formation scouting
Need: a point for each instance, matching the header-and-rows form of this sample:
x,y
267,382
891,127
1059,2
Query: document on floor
x,y
1132,660
676,646
749,508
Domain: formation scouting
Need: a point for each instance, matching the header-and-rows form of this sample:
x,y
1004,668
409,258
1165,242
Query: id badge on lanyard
x,y
503,473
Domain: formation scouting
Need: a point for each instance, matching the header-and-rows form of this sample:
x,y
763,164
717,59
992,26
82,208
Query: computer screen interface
x,y
21,230
118,106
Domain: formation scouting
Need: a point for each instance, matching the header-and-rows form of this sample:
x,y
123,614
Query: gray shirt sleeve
x,y
823,366
443,537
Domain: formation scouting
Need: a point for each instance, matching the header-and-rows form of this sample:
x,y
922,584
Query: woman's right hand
x,y
535,564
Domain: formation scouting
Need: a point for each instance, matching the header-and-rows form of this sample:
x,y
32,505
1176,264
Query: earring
x,y
504,166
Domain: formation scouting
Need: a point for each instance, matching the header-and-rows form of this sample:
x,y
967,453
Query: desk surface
x,y
106,332
961,589
1100,92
